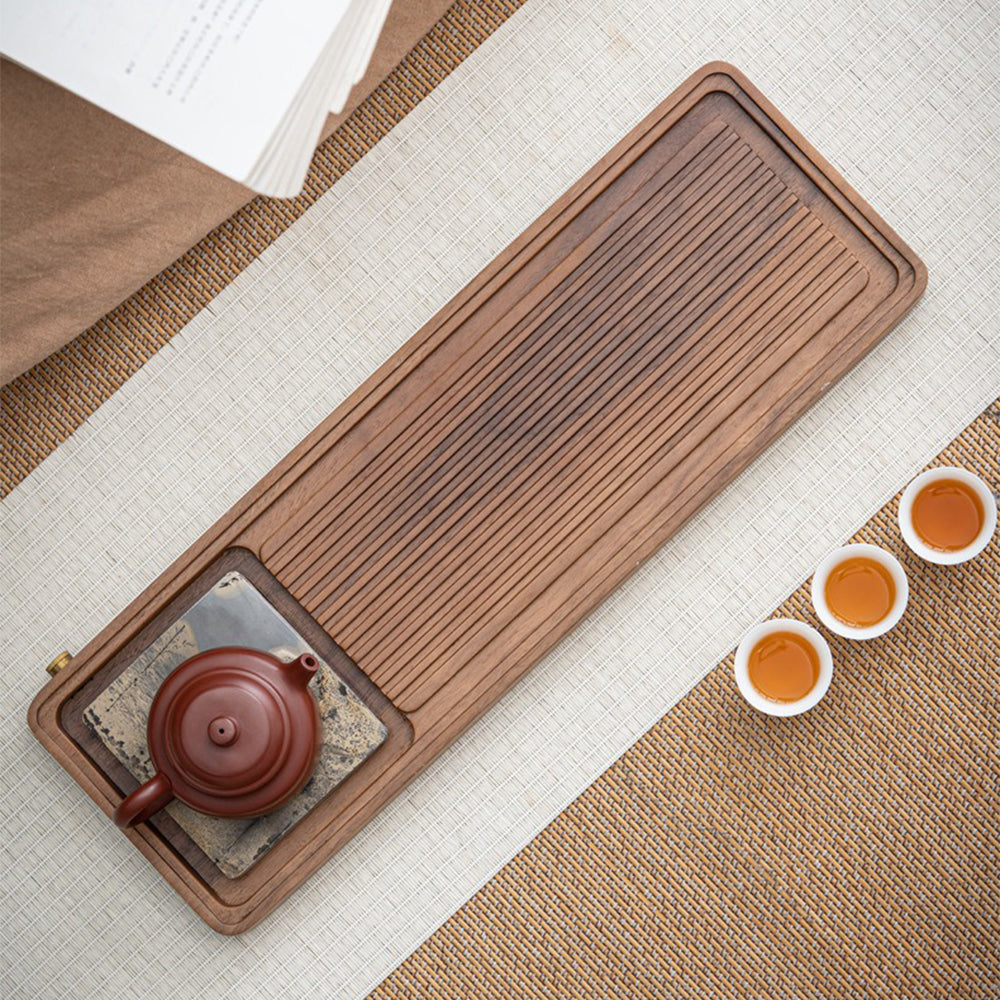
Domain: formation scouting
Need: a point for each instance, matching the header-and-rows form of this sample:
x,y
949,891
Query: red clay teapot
x,y
232,732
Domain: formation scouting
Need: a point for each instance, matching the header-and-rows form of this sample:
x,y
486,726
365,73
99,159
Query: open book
x,y
242,85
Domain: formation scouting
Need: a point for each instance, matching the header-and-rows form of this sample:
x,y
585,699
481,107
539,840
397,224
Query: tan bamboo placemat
x,y
42,407
851,852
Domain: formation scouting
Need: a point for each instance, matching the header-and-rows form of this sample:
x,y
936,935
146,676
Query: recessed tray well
x,y
548,430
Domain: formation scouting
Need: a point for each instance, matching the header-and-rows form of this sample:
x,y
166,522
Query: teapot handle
x,y
146,800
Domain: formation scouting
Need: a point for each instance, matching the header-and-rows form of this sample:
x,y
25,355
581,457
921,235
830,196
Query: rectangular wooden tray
x,y
540,437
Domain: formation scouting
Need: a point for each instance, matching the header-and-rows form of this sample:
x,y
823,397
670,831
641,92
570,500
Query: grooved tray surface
x,y
552,426
632,355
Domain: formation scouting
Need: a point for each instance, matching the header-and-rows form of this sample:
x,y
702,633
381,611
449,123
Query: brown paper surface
x,y
91,208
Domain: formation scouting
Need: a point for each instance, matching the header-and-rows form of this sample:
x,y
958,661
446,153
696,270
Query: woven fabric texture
x,y
851,852
899,96
42,407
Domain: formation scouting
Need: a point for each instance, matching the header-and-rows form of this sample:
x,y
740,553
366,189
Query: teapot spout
x,y
303,668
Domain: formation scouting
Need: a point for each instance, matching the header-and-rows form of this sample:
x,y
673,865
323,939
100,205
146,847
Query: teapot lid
x,y
235,730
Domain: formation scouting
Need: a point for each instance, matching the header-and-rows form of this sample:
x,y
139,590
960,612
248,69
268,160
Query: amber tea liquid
x,y
783,666
947,514
860,591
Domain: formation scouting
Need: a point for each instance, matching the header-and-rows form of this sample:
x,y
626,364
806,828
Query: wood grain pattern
x,y
676,309
547,430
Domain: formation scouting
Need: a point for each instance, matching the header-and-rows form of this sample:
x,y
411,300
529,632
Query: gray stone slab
x,y
234,612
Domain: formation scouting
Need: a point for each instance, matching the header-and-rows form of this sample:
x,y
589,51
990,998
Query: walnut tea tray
x,y
497,478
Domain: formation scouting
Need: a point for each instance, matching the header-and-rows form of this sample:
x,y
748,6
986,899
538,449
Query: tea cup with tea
x,y
783,667
860,591
947,515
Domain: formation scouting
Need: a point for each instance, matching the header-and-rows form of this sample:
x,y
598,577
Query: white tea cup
x,y
741,667
952,556
876,554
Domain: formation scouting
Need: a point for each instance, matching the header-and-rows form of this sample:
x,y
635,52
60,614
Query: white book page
x,y
282,168
360,51
214,78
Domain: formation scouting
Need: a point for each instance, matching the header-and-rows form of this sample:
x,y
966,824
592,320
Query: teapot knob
x,y
223,731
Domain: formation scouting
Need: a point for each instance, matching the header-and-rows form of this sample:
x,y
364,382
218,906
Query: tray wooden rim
x,y
43,716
